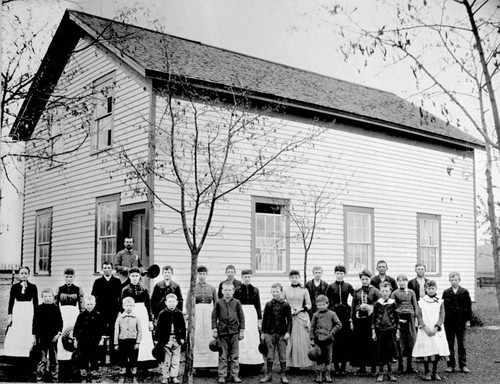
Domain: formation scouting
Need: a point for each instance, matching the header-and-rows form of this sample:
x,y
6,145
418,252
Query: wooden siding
x,y
72,189
396,177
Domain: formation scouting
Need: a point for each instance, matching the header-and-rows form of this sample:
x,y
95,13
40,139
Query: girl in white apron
x,y
205,296
69,297
22,301
249,297
143,312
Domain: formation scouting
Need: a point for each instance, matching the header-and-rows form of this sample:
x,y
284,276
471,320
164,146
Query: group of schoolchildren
x,y
316,324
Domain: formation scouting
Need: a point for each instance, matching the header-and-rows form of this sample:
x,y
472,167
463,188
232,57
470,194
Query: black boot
x,y
269,373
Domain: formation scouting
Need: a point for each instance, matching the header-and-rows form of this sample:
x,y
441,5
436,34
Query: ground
x,y
482,350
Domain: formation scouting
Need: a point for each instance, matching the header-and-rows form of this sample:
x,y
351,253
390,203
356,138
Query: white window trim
x,y
100,200
371,257
38,215
437,218
273,201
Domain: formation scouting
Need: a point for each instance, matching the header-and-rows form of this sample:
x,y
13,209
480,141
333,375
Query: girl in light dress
x,y
431,344
298,297
22,301
142,310
205,297
69,297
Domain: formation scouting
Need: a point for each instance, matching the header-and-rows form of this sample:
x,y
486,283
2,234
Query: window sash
x,y
429,242
358,237
43,240
107,231
270,244
104,99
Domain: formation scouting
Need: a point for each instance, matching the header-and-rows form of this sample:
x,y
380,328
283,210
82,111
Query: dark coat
x,y
248,294
228,317
89,327
277,317
414,285
235,282
166,318
47,322
108,296
314,292
160,292
457,306
376,282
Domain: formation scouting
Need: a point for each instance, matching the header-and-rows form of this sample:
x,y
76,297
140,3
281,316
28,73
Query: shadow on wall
x,y
485,261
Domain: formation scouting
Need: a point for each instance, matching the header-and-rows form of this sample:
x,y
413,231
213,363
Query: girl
x,y
298,298
70,299
361,317
205,298
385,325
22,301
143,311
431,341
249,297
407,307
338,297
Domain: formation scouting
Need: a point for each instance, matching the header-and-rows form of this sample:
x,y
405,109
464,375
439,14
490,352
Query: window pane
x,y
358,237
270,241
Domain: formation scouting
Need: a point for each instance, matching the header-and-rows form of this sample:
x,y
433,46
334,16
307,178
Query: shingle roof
x,y
147,52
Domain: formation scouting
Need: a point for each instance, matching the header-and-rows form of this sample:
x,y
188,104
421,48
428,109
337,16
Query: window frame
x,y
286,218
439,258
371,257
115,198
38,214
107,80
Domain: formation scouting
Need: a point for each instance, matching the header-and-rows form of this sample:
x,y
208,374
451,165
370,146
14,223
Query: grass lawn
x,y
483,350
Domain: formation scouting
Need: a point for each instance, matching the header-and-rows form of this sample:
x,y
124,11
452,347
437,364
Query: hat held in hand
x,y
314,353
215,346
263,348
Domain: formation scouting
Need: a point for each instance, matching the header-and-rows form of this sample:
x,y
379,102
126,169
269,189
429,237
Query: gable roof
x,y
145,51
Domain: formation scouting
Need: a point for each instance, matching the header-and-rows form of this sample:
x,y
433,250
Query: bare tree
x,y
208,146
454,36
315,201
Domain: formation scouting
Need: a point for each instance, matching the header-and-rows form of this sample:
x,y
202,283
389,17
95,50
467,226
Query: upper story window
x,y
429,241
43,241
104,104
55,124
270,235
358,238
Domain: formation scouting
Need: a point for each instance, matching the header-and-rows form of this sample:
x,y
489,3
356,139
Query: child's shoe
x,y
464,369
449,370
380,378
328,377
392,377
236,379
267,378
165,380
427,377
319,377
175,380
436,377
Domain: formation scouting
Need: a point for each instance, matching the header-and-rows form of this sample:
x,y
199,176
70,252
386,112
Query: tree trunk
x,y
305,267
493,221
191,314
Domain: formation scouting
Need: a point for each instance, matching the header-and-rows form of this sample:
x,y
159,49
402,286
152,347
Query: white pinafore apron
x,y
19,337
146,345
202,356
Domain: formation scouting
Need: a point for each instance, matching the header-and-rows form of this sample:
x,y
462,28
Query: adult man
x,y
382,276
107,291
418,283
128,258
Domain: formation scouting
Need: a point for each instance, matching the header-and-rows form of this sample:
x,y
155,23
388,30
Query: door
x,y
135,226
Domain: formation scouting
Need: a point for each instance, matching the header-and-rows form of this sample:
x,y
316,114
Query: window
x,y
43,241
104,103
358,238
429,241
107,229
55,123
270,235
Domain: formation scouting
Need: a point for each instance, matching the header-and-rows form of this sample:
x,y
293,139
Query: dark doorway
x,y
135,225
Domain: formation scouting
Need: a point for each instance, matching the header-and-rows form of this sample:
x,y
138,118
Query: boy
x,y
162,289
407,310
128,335
230,273
228,324
171,334
316,287
249,297
276,329
385,330
324,325
47,328
89,335
458,313
382,276
417,284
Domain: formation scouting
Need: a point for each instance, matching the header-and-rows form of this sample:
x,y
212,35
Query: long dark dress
x,y
364,355
338,295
